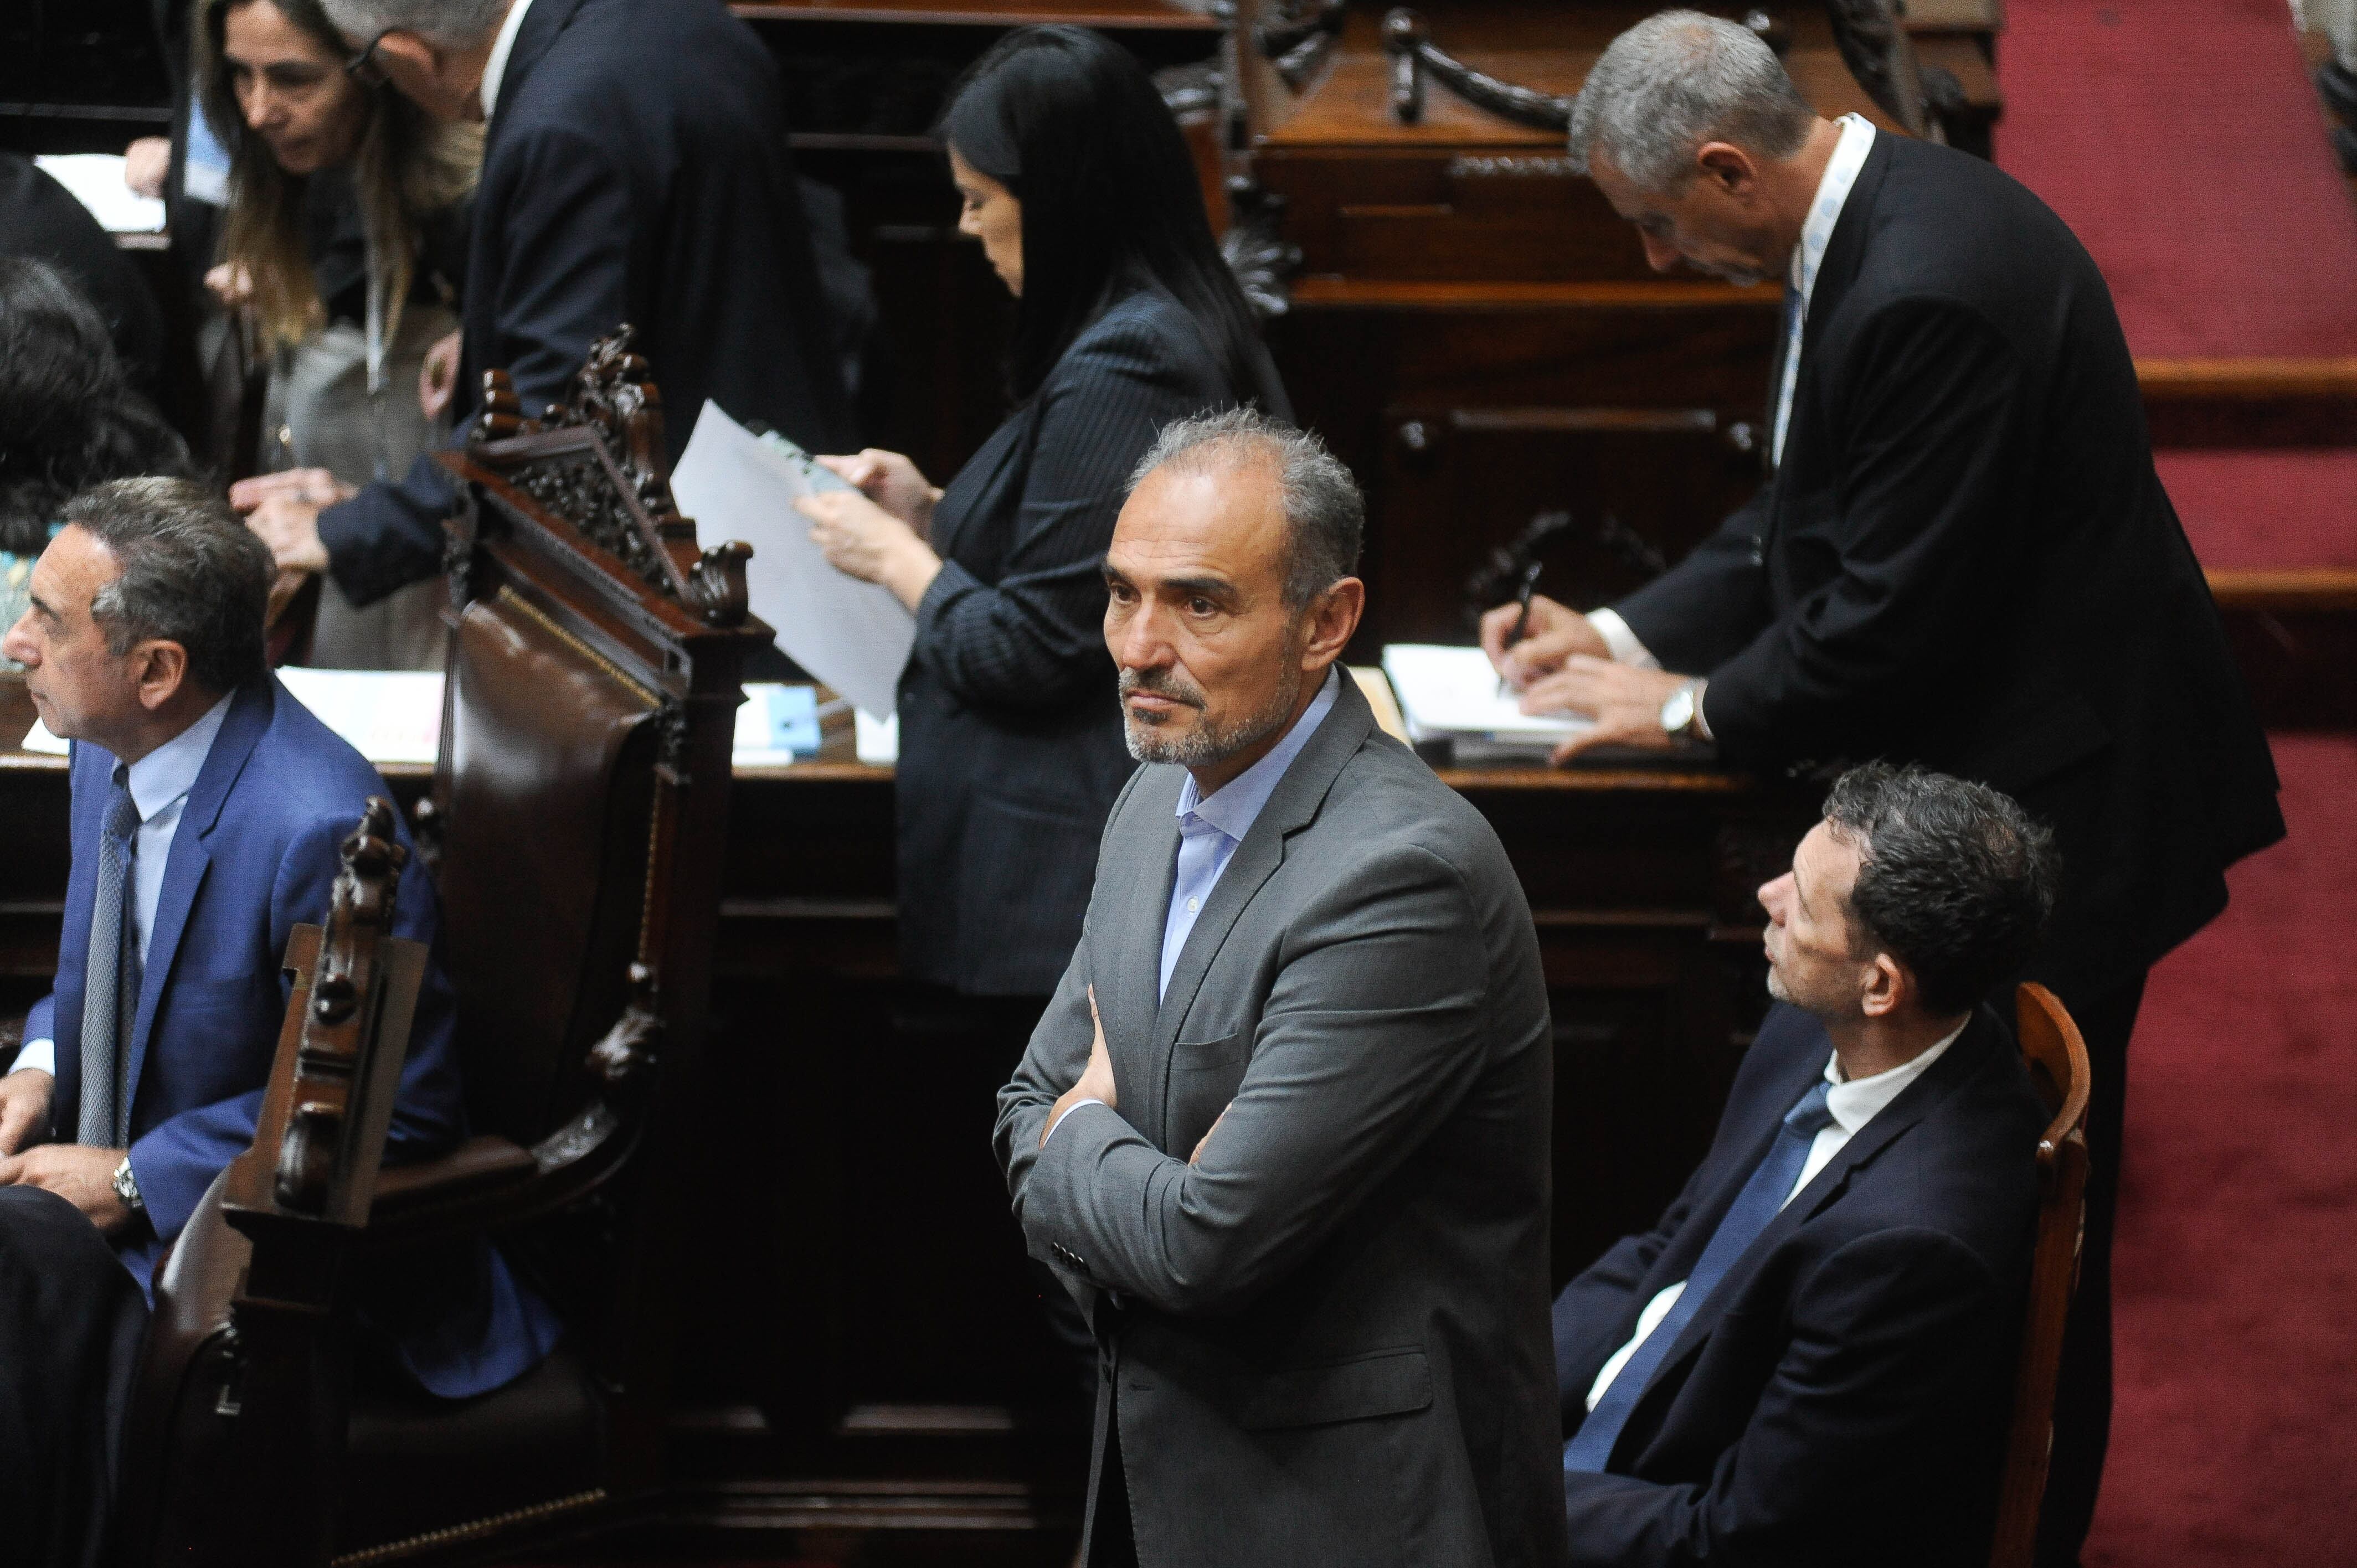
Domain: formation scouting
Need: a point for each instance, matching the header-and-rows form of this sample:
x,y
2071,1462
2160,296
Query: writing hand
x,y
1552,634
1625,700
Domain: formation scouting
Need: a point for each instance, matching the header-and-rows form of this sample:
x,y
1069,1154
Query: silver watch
x,y
127,1186
1679,713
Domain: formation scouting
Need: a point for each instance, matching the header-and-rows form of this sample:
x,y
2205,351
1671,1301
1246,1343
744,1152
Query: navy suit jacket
x,y
635,170
255,855
1841,1396
1967,560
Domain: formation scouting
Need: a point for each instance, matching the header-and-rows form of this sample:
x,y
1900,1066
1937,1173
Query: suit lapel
x,y
1137,912
1895,1120
185,868
541,25
1293,806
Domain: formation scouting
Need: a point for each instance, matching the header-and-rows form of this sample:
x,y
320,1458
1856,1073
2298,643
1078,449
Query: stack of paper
x,y
389,715
1451,693
96,181
853,635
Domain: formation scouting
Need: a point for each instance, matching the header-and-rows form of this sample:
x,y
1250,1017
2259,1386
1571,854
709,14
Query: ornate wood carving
x,y
1408,40
611,478
1876,50
1256,252
1299,45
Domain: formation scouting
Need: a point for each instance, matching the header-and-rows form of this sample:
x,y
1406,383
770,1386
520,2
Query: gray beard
x,y
1206,743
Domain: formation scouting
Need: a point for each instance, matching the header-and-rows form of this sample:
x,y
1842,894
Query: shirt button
x,y
1191,906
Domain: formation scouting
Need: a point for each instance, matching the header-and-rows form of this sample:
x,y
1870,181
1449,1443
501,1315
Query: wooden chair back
x,y
577,829
2057,1059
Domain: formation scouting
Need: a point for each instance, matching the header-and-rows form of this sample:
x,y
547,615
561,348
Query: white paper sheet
x,y
1453,691
96,181
853,636
38,738
389,715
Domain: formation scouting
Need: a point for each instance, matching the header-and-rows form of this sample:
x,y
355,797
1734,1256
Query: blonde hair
x,y
407,166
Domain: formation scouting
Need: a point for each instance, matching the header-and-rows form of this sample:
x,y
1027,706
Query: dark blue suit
x,y
254,855
1840,1397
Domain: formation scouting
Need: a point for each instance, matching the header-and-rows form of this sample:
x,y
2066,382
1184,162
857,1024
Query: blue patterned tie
x,y
1754,1207
111,979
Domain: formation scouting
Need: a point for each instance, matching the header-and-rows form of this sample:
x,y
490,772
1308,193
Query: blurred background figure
x,y
39,218
69,418
343,244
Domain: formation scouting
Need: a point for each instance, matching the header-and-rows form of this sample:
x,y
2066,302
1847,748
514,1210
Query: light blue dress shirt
x,y
159,782
1210,829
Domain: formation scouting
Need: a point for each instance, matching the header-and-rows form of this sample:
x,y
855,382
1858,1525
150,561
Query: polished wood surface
x,y
2057,1059
2250,402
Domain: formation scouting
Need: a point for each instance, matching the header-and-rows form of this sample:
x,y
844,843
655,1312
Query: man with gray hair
x,y
635,169
207,809
1963,556
1283,1130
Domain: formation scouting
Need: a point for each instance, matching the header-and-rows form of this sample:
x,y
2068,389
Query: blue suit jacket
x,y
1839,1398
254,855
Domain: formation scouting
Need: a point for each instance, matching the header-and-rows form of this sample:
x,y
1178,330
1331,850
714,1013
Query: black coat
x,y
1967,560
1840,1397
1011,749
635,170
40,220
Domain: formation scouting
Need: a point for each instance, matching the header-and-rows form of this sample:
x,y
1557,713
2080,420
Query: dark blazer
x,y
635,170
1011,749
1967,560
1840,1397
1326,1342
255,853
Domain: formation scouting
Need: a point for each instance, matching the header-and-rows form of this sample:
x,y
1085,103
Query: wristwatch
x,y
127,1186
1680,716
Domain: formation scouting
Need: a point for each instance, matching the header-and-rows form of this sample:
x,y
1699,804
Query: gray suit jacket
x,y
1328,1342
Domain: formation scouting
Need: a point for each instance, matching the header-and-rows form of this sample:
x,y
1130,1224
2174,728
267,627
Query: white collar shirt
x,y
495,69
1852,1104
1816,233
159,784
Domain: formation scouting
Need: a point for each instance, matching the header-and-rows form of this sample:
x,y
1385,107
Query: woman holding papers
x,y
344,231
1077,183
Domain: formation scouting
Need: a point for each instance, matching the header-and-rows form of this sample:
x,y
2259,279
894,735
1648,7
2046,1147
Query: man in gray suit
x,y
1283,1129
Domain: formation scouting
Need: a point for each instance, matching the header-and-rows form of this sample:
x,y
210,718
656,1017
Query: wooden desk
x,y
867,1353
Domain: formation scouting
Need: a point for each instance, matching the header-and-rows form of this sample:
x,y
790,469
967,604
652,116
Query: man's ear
x,y
1887,987
161,668
1333,618
1727,167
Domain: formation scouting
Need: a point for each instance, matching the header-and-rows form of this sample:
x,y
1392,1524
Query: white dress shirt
x,y
1817,232
160,782
495,69
1853,1102
1210,829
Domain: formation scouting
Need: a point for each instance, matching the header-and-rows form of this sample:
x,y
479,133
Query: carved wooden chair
x,y
2057,1059
576,825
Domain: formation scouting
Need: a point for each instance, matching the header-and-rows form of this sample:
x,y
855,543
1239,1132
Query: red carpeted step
x,y
2236,1265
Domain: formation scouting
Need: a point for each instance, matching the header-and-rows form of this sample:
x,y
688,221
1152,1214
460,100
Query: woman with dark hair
x,y
344,230
68,417
1078,184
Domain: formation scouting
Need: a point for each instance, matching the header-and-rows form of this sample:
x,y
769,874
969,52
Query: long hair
x,y
69,418
407,166
1071,124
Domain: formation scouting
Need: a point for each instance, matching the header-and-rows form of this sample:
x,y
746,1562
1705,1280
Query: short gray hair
x,y
1325,516
452,23
191,574
1676,81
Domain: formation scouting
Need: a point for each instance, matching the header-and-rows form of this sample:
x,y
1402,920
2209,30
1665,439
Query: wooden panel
x,y
2294,635
2247,404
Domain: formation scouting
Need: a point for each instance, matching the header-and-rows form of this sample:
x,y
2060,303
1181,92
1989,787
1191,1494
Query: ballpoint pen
x,y
1521,614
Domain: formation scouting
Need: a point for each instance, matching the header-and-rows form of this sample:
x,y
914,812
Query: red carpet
x,y
2182,141
2236,1266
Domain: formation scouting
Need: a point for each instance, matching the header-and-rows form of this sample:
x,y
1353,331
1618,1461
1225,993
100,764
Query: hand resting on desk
x,y
1625,701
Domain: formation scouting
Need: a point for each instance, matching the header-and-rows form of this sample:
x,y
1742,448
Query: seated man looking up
x,y
1284,1127
208,809
1809,1360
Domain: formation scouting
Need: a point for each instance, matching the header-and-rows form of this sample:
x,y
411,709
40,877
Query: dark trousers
x,y
71,1321
2082,1393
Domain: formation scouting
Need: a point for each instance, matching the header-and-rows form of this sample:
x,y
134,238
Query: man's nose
x,y
1660,254
1139,642
1772,896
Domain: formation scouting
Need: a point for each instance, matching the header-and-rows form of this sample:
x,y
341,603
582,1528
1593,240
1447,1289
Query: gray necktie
x,y
110,997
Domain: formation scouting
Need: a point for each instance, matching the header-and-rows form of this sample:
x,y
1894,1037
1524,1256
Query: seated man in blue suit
x,y
208,809
1809,1360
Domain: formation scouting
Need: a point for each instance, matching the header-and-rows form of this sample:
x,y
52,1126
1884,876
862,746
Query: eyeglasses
x,y
363,67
